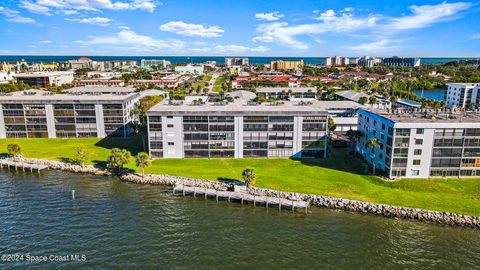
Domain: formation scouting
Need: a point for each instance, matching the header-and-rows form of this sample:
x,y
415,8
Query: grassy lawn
x,y
341,175
202,83
217,86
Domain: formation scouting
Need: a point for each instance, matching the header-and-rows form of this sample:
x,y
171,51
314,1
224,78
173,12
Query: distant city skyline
x,y
247,28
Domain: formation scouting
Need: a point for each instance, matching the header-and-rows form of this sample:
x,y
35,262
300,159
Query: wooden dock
x,y
9,164
241,197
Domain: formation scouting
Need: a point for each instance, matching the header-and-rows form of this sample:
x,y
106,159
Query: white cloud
x,y
427,15
35,8
190,29
376,47
46,7
232,48
272,16
102,21
14,16
129,39
476,36
344,22
47,42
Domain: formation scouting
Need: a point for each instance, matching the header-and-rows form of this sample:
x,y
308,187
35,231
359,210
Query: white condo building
x,y
91,112
462,94
199,129
422,144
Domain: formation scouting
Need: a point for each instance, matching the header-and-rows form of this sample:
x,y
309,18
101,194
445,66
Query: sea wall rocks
x,y
315,200
171,180
376,209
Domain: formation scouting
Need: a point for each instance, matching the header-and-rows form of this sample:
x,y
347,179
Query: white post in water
x,y
73,194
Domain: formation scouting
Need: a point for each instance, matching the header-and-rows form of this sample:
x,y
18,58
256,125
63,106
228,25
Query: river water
x,y
119,225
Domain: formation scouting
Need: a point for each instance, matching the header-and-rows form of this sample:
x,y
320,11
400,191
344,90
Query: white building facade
x,y
416,147
234,130
462,94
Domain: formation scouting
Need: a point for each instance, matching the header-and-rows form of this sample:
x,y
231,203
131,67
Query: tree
x,y
372,100
14,149
81,155
118,158
331,125
249,176
363,100
393,99
142,160
373,143
355,136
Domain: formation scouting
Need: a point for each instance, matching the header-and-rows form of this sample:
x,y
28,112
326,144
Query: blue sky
x,y
246,27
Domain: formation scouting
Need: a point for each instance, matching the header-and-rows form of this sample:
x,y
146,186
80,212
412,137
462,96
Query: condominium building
x,y
285,92
286,65
190,69
396,61
42,114
99,82
422,144
239,129
462,94
151,62
236,61
44,79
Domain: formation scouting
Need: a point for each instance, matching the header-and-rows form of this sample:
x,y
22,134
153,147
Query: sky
x,y
301,28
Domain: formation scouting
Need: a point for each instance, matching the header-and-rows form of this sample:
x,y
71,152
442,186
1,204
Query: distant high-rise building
x,y
150,62
286,65
236,61
368,61
462,94
396,61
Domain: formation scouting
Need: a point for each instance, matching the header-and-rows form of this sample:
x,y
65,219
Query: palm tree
x,y
373,143
142,160
354,135
249,176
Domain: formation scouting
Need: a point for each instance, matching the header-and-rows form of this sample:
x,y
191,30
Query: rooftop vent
x,y
304,103
175,102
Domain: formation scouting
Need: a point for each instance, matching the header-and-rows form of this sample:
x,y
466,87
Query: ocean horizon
x,y
199,59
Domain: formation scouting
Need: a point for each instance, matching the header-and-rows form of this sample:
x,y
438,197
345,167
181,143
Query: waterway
x,y
436,94
119,225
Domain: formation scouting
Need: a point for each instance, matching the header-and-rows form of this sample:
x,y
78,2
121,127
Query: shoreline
x,y
389,211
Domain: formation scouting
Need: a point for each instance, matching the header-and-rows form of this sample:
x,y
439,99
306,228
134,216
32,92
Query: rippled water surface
x,y
118,225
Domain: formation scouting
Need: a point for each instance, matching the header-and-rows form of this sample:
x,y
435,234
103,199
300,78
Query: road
x,y
213,79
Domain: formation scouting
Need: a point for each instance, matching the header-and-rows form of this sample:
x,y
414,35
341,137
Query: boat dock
x,y
9,164
242,197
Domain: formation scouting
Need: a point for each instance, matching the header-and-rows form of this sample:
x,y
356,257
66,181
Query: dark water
x,y
117,225
436,94
189,59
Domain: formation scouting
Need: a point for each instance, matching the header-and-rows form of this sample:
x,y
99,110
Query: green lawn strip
x,y
341,175
217,86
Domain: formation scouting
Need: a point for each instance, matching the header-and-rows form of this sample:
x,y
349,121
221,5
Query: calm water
x,y
130,226
436,94
189,59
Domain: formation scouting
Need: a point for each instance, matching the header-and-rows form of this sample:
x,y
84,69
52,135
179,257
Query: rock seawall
x,y
315,200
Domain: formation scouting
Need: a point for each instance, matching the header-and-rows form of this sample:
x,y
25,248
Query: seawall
x,y
385,210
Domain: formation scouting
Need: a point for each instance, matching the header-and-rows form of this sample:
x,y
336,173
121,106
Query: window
x,y
169,116
416,162
420,130
383,126
171,143
417,152
418,141
415,172
170,125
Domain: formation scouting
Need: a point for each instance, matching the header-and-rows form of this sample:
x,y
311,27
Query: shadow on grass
x,y
67,160
229,180
133,144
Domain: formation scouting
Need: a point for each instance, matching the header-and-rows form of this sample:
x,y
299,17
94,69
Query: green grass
x,y
340,176
217,86
202,83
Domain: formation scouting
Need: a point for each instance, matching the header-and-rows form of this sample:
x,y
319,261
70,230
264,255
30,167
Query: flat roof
x,y
39,96
100,89
235,108
427,116
43,74
351,95
286,89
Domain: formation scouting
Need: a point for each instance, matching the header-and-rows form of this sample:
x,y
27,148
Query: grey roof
x,y
39,96
286,89
236,108
100,89
242,95
42,74
351,95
